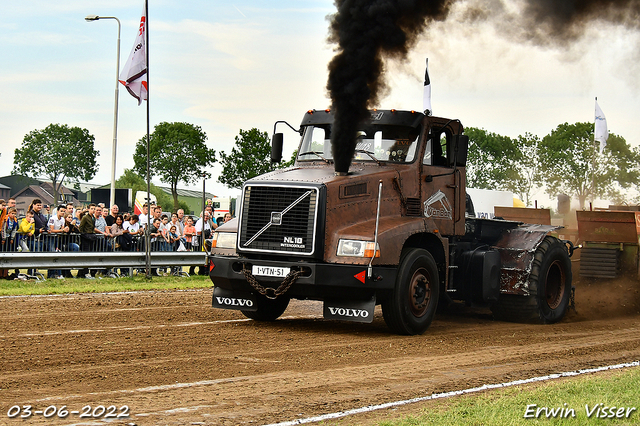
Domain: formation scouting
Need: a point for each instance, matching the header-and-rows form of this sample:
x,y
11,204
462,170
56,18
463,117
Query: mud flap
x,y
350,310
227,299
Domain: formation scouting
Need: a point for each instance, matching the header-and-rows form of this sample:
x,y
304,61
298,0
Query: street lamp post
x,y
112,195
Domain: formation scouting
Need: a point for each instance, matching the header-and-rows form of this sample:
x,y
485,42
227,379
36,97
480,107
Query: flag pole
x,y
426,96
593,160
147,235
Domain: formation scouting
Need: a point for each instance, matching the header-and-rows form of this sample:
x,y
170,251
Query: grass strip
x,y
587,400
100,285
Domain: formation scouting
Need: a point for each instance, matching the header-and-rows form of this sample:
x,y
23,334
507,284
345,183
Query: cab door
x,y
442,189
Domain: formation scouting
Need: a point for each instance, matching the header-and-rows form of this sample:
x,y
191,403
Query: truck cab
x,y
387,232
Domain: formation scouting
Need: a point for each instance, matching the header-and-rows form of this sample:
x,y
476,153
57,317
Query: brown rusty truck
x,y
395,230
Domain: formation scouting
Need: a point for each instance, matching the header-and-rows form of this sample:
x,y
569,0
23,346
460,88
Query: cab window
x,y
435,153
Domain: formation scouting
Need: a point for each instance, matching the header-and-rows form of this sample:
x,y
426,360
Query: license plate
x,y
270,271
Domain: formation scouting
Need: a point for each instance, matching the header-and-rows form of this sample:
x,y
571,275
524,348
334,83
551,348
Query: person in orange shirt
x,y
189,233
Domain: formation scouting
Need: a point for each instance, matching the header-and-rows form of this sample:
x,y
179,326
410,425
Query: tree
x,y
571,163
135,182
528,171
250,157
491,160
623,170
177,153
58,152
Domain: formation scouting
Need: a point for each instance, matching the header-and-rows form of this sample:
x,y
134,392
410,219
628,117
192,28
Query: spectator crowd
x,y
95,228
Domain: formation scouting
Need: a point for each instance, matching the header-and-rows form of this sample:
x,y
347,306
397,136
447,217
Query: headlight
x,y
356,248
224,240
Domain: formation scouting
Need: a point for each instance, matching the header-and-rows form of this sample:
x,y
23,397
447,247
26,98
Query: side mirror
x,y
276,147
457,151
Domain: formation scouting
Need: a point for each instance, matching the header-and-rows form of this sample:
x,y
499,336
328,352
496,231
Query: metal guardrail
x,y
74,242
97,260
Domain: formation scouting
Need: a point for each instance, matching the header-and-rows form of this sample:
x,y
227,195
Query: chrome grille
x,y
278,219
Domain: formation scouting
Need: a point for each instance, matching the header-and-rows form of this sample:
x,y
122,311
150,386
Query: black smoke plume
x,y
369,32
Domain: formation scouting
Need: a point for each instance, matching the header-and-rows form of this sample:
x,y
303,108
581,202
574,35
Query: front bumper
x,y
317,281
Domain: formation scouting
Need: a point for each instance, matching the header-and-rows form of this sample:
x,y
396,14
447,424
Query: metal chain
x,y
268,292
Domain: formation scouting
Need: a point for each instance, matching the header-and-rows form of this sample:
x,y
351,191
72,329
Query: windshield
x,y
384,142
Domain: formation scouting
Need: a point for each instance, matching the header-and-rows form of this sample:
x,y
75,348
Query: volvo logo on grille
x,y
276,218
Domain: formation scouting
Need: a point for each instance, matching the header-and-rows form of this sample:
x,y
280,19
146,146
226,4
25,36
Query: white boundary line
x,y
452,393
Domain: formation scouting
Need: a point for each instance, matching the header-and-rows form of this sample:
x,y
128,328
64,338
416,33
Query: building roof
x,y
87,187
18,182
37,191
48,186
187,192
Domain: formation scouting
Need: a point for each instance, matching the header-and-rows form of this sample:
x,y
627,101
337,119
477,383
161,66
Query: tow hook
x,y
570,247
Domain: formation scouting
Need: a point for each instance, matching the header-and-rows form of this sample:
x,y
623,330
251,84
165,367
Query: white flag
x,y
134,73
426,98
601,132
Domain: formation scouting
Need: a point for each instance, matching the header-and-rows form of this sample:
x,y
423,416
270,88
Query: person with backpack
x,y
9,230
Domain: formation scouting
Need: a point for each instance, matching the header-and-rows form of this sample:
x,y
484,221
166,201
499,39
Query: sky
x,y
231,65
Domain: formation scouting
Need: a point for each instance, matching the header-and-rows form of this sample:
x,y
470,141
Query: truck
x,y
392,231
610,242
222,206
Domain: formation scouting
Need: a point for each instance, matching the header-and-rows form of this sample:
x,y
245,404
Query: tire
x,y
549,288
413,304
268,309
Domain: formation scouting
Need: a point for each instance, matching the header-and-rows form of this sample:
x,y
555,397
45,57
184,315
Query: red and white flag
x,y
134,73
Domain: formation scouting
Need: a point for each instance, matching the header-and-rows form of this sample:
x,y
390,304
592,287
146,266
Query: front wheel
x,y
413,304
268,309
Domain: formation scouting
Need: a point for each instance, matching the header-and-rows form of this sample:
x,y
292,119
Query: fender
x,y
393,232
517,248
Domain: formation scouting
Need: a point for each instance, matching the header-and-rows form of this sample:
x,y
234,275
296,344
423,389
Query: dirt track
x,y
174,360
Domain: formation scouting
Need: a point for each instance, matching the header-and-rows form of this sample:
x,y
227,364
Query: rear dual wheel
x,y
549,288
413,303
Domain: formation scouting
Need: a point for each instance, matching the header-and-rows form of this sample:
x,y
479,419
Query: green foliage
x,y
571,163
565,161
508,406
184,206
58,152
528,171
135,283
491,160
135,182
177,153
624,170
291,161
250,157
